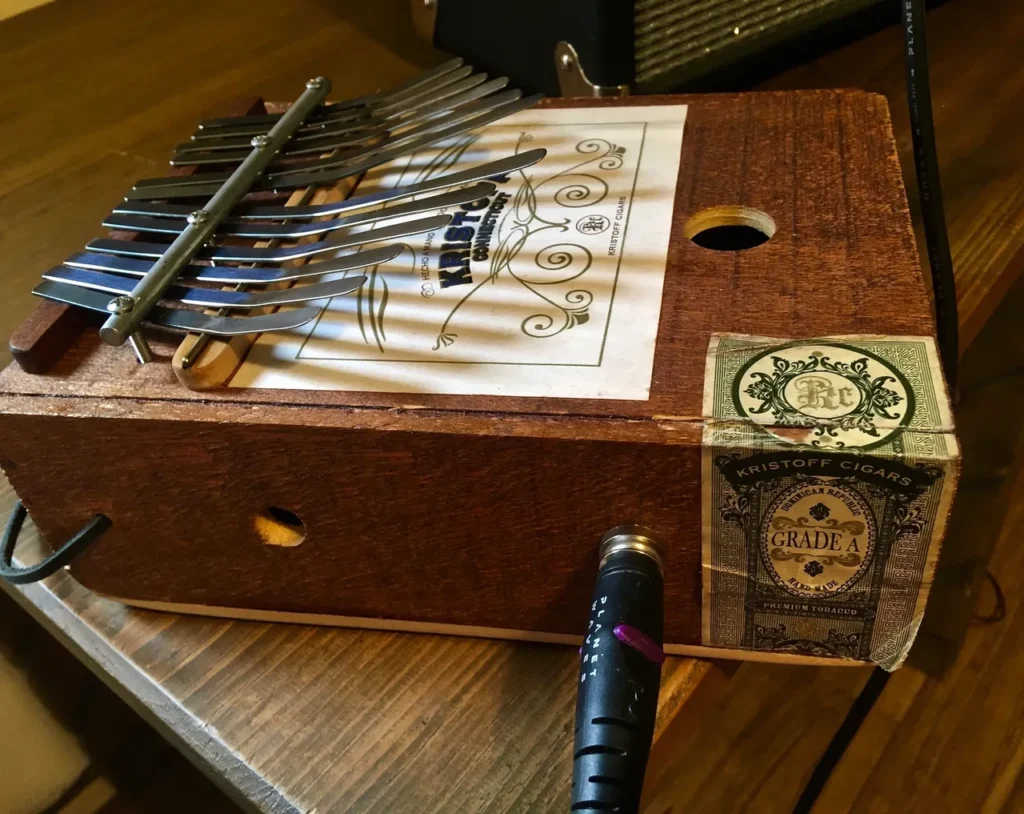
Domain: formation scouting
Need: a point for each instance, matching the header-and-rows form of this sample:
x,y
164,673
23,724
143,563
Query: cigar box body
x,y
793,449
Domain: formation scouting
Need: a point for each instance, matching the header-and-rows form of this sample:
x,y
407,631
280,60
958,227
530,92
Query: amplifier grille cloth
x,y
673,35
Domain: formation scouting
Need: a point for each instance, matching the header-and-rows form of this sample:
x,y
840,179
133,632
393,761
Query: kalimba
x,y
704,315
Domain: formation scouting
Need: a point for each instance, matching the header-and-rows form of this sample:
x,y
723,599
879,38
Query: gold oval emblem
x,y
817,539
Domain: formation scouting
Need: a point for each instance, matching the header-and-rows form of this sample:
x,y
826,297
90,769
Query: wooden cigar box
x,y
775,414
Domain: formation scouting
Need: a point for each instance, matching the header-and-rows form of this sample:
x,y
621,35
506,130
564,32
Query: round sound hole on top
x,y
729,228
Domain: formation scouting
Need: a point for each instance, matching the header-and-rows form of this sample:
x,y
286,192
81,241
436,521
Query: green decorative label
x,y
829,466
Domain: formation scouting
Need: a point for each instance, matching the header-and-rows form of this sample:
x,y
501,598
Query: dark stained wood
x,y
440,528
42,339
284,718
988,421
979,116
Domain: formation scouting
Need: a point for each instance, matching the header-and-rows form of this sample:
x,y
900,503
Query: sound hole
x,y
729,228
280,527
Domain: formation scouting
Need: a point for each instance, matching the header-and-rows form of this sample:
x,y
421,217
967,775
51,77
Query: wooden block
x,y
481,514
221,357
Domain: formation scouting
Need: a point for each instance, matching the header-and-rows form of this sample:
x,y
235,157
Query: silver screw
x,y
316,82
143,352
260,141
566,62
198,217
429,3
121,305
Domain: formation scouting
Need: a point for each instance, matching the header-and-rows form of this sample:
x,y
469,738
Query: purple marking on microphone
x,y
639,641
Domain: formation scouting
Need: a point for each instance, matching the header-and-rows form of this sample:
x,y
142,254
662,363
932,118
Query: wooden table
x,y
292,718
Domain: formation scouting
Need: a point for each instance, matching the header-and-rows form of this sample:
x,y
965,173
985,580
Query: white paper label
x,y
550,287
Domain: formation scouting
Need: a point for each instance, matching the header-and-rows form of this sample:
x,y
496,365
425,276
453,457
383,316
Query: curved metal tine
x,y
236,142
210,297
161,189
253,254
454,123
335,139
378,156
492,169
287,231
235,275
365,127
456,117
354,117
412,131
264,121
332,138
178,319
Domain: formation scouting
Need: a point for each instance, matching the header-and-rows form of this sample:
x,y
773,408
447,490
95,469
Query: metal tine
x,y
330,175
181,320
462,114
491,169
263,122
210,297
468,91
286,231
354,120
191,158
466,118
361,101
413,131
238,275
252,254
350,118
233,141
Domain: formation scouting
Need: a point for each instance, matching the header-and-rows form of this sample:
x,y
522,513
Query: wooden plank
x,y
285,718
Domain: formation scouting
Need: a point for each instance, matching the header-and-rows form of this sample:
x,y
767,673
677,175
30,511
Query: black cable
x,y
837,746
926,163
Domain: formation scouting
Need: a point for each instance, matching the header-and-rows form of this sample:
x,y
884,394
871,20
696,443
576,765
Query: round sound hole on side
x,y
280,527
729,228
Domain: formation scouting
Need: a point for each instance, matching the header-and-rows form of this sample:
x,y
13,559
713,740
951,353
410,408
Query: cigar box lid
x,y
816,169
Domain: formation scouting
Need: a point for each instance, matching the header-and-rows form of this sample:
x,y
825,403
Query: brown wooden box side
x,y
443,528
823,164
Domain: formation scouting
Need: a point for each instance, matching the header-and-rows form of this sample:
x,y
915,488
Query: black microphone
x,y
620,674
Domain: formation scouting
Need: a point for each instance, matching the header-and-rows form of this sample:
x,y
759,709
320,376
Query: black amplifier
x,y
612,47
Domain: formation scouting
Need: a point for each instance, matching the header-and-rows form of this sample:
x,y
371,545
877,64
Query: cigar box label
x,y
549,287
828,471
